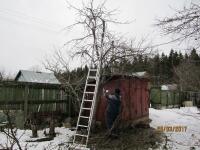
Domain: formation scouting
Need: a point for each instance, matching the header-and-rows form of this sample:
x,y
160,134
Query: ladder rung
x,y
87,100
84,117
81,135
91,84
93,69
89,92
92,77
82,126
78,146
86,108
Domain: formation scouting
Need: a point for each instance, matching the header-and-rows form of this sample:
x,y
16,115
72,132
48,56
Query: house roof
x,y
36,77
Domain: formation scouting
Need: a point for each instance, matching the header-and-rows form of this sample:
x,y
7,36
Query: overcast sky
x,y
32,29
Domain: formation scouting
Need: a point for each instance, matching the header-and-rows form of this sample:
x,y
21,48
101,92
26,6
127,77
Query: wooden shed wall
x,y
134,97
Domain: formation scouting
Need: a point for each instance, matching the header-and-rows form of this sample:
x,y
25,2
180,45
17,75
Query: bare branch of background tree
x,y
184,24
188,76
59,65
4,76
11,133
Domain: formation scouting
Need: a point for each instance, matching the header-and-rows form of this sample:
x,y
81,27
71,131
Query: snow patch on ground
x,y
186,116
61,139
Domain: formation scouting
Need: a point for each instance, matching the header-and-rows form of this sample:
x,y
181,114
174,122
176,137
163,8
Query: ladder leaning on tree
x,y
84,122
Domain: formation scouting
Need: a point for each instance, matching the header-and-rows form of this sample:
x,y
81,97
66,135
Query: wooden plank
x,y
26,101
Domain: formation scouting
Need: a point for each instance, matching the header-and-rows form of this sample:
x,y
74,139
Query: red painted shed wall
x,y
134,97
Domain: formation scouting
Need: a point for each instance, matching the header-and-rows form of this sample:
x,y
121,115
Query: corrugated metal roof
x,y
36,77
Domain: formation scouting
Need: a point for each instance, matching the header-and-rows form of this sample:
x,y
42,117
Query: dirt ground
x,y
129,139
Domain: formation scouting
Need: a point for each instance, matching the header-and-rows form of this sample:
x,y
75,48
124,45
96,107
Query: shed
x,y
36,77
134,98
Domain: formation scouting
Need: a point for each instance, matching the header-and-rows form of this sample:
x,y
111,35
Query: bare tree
x,y
98,43
188,76
2,75
59,64
11,133
184,24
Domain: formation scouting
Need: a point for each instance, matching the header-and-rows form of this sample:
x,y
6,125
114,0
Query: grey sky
x,y
31,29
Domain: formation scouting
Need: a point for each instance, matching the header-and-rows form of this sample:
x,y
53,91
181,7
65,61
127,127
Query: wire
x,y
27,18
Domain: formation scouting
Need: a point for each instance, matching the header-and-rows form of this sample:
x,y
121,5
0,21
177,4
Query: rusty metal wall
x,y
134,97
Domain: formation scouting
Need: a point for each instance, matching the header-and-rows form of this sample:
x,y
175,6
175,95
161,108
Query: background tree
x,y
72,80
4,76
188,76
1,76
184,24
11,132
98,43
95,44
194,57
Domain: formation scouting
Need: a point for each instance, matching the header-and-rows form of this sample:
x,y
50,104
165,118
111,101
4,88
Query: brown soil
x,y
128,139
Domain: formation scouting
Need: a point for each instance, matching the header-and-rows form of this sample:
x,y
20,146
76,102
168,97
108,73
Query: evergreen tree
x,y
194,57
156,65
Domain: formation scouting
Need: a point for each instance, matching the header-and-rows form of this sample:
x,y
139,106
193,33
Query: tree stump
x,y
34,128
52,128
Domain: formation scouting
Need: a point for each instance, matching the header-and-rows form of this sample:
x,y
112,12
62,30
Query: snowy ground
x,y
185,140
59,142
187,116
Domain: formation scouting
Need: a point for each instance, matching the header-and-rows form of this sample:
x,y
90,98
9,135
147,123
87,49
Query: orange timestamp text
x,y
176,128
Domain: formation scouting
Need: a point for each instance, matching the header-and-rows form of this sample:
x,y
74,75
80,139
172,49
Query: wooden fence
x,y
163,98
34,97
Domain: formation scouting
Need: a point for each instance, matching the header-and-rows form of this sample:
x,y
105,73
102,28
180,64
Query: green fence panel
x,y
177,98
19,94
171,98
155,96
164,98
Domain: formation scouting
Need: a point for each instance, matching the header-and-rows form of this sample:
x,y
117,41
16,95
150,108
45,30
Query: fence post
x,y
69,99
167,103
195,99
26,93
174,98
179,99
160,98
42,93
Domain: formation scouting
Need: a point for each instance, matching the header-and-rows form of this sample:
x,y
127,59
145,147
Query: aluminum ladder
x,y
84,122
